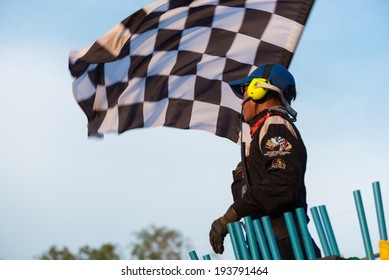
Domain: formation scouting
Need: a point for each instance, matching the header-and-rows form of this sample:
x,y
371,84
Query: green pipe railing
x,y
251,238
320,231
271,238
380,211
261,238
363,225
290,225
256,239
307,239
329,231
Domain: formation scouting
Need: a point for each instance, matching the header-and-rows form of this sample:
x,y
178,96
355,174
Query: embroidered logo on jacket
x,y
277,146
278,164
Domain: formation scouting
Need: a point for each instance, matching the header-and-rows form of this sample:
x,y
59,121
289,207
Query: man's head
x,y
269,80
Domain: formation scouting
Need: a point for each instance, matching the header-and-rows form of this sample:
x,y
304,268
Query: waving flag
x,y
168,63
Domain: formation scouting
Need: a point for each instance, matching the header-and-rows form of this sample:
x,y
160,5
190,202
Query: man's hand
x,y
219,230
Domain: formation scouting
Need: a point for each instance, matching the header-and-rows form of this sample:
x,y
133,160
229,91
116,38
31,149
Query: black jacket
x,y
276,164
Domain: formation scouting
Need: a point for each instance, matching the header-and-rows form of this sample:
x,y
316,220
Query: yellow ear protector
x,y
255,90
258,88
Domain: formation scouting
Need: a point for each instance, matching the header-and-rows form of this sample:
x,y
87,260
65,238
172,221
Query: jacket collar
x,y
256,122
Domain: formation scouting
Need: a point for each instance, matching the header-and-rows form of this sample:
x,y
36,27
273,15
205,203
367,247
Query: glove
x,y
219,230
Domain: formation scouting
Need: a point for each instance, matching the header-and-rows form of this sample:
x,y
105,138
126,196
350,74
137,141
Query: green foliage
x,y
158,243
152,243
105,252
55,254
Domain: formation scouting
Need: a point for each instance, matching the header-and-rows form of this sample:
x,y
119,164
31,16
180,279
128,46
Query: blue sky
x,y
57,187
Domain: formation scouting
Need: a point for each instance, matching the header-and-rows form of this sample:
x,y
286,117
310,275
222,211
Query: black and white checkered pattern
x,y
168,63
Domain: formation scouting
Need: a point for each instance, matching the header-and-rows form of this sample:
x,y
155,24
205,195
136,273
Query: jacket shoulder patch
x,y
277,146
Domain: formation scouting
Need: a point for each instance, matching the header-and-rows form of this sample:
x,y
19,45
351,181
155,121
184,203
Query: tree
x,y
55,254
158,243
105,252
152,243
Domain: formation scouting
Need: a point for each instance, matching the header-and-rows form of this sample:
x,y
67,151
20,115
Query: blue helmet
x,y
276,74
279,78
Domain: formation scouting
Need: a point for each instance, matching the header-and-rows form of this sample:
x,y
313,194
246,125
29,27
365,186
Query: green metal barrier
x,y
254,239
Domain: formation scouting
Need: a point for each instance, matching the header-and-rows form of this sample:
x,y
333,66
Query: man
x,y
276,160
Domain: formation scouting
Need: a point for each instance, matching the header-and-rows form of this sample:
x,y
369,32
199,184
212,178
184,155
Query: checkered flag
x,y
168,64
